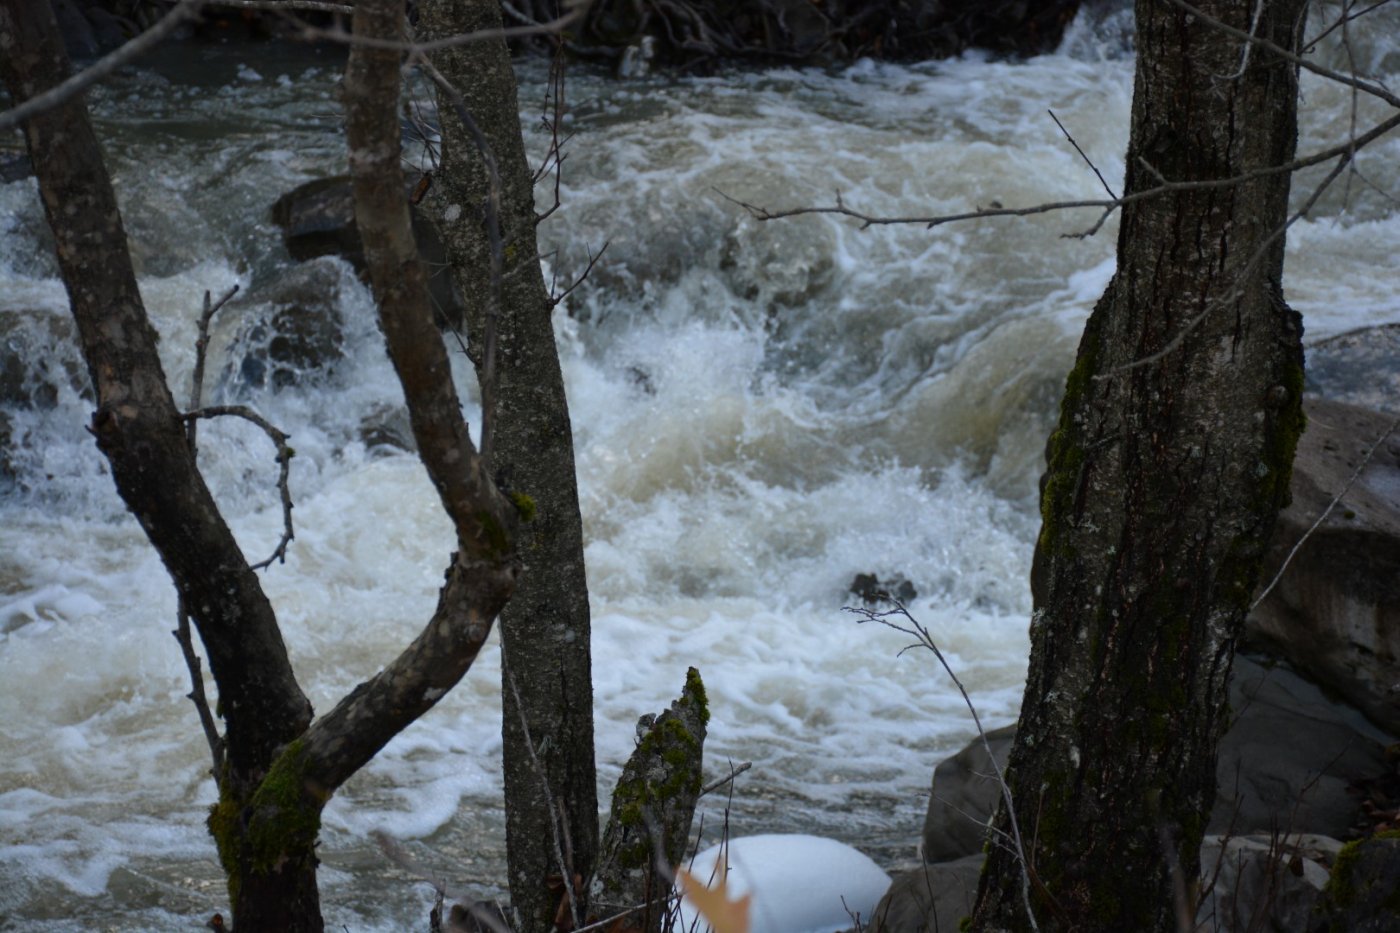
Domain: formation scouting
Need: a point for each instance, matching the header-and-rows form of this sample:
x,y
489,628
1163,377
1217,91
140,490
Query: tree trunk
x,y
281,769
1169,465
551,789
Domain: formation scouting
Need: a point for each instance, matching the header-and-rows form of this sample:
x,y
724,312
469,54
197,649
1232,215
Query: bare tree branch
x,y
1375,90
483,572
182,12
1346,488
1107,204
284,462
576,9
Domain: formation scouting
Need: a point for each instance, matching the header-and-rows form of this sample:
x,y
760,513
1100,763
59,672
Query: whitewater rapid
x,y
761,412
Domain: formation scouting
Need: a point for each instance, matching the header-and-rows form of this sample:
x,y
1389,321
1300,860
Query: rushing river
x,y
761,410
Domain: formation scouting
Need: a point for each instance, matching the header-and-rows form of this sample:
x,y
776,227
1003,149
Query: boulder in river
x,y
318,219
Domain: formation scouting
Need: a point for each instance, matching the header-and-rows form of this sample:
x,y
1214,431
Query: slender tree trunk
x,y
281,768
551,789
1172,457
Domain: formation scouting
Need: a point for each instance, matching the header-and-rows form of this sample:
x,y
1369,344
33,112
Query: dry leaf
x,y
724,915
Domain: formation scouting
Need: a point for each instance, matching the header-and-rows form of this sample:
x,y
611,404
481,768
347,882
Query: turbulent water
x,y
761,411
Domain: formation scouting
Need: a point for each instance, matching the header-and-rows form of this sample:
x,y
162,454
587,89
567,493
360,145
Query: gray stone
x,y
1360,367
1286,763
1259,883
964,795
318,219
1363,895
929,899
1335,611
288,332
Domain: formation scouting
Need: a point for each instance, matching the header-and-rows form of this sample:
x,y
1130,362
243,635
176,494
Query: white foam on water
x,y
761,410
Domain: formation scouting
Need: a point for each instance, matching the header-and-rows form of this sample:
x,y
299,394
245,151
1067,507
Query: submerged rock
x,y
39,359
290,331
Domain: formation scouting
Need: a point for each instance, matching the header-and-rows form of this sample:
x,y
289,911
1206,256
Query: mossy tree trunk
x,y
280,767
551,789
1164,477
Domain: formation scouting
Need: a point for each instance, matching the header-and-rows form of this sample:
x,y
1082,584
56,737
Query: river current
x,y
761,412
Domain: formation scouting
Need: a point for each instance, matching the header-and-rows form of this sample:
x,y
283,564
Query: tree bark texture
x,y
546,658
137,424
140,430
281,768
1163,482
652,809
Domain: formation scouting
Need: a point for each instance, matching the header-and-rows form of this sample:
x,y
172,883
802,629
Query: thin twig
x,y
925,640
201,353
720,782
182,614
1087,161
284,459
182,12
576,11
1351,481
196,694
930,221
555,297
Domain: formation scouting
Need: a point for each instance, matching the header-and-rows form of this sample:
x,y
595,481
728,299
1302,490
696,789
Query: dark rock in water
x,y
873,592
38,359
1363,895
1361,367
318,219
1335,611
8,473
291,330
1287,762
14,166
387,428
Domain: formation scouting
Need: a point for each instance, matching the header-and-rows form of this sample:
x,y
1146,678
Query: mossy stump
x,y
652,808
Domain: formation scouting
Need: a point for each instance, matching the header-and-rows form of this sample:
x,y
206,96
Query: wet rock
x,y
1363,894
1288,762
318,219
874,592
290,331
387,428
14,166
39,359
964,797
1263,882
1361,367
1335,611
929,899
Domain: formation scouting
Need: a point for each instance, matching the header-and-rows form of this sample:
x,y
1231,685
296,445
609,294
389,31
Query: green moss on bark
x,y
278,824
